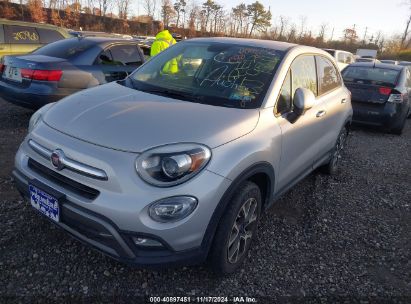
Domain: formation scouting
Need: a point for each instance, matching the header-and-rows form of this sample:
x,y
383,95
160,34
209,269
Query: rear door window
x,y
126,55
16,34
48,35
105,58
304,74
328,77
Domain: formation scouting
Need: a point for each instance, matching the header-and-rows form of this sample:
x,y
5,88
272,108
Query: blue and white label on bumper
x,y
45,203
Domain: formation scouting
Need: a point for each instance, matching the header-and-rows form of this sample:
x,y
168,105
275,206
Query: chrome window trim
x,y
68,163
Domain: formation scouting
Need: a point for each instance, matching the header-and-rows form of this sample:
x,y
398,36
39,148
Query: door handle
x,y
321,113
344,100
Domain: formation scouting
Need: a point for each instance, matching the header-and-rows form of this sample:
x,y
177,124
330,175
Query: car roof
x,y
337,50
102,39
276,45
25,23
378,65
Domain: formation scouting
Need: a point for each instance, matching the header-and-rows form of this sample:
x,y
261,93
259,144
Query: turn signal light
x,y
43,75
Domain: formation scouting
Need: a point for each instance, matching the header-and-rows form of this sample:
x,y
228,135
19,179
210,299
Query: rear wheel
x,y
236,230
399,128
333,165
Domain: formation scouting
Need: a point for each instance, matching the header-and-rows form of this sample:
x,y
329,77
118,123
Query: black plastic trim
x,y
257,168
65,182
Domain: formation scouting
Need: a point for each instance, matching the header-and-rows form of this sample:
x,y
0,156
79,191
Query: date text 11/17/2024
x,y
203,299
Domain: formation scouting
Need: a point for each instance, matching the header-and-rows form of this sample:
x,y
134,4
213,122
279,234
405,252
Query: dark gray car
x,y
65,67
380,94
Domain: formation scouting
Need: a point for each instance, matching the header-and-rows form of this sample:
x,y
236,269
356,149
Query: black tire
x,y
247,193
397,130
332,167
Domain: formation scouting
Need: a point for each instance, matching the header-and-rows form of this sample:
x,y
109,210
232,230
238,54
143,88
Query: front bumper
x,y
102,234
116,211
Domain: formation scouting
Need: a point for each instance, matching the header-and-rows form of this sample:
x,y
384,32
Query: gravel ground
x,y
345,238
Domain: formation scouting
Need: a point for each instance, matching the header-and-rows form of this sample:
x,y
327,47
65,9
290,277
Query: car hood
x,y
121,118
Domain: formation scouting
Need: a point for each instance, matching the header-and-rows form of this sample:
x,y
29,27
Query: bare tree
x,y
179,7
303,22
217,13
283,26
407,25
321,35
292,33
150,7
123,6
167,12
193,18
239,17
350,35
104,6
206,12
406,32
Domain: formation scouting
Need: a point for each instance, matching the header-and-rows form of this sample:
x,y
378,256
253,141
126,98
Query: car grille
x,y
67,183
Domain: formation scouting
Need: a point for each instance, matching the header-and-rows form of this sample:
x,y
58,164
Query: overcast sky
x,y
389,16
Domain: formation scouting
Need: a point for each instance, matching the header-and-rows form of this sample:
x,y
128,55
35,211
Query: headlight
x,y
36,117
172,209
171,165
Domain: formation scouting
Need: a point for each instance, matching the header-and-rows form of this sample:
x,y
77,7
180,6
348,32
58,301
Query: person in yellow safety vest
x,y
163,41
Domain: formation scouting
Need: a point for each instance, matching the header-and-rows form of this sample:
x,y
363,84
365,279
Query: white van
x,y
343,58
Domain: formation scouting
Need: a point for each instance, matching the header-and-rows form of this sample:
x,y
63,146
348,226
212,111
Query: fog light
x,y
172,209
146,242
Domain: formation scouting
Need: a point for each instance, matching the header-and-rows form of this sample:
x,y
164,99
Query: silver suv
x,y
176,163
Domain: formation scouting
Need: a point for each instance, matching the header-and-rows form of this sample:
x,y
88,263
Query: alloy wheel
x,y
339,148
242,230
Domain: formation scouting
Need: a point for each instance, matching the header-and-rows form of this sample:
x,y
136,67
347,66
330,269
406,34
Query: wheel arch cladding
x,y
262,174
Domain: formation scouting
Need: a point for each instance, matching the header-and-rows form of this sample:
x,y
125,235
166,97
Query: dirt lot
x,y
346,237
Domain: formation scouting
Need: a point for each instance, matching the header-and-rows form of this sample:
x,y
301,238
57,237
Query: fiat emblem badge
x,y
56,159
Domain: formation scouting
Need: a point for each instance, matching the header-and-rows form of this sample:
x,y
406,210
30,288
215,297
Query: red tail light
x,y
385,91
2,67
43,75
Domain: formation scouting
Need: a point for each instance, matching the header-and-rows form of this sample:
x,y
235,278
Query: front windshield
x,y
221,74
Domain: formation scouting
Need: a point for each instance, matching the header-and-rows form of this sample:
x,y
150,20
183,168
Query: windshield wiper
x,y
173,94
166,92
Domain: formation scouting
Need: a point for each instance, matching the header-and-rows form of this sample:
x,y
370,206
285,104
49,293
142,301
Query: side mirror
x,y
304,100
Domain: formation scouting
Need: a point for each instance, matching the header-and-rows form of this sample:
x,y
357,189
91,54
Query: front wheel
x,y
333,165
236,229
